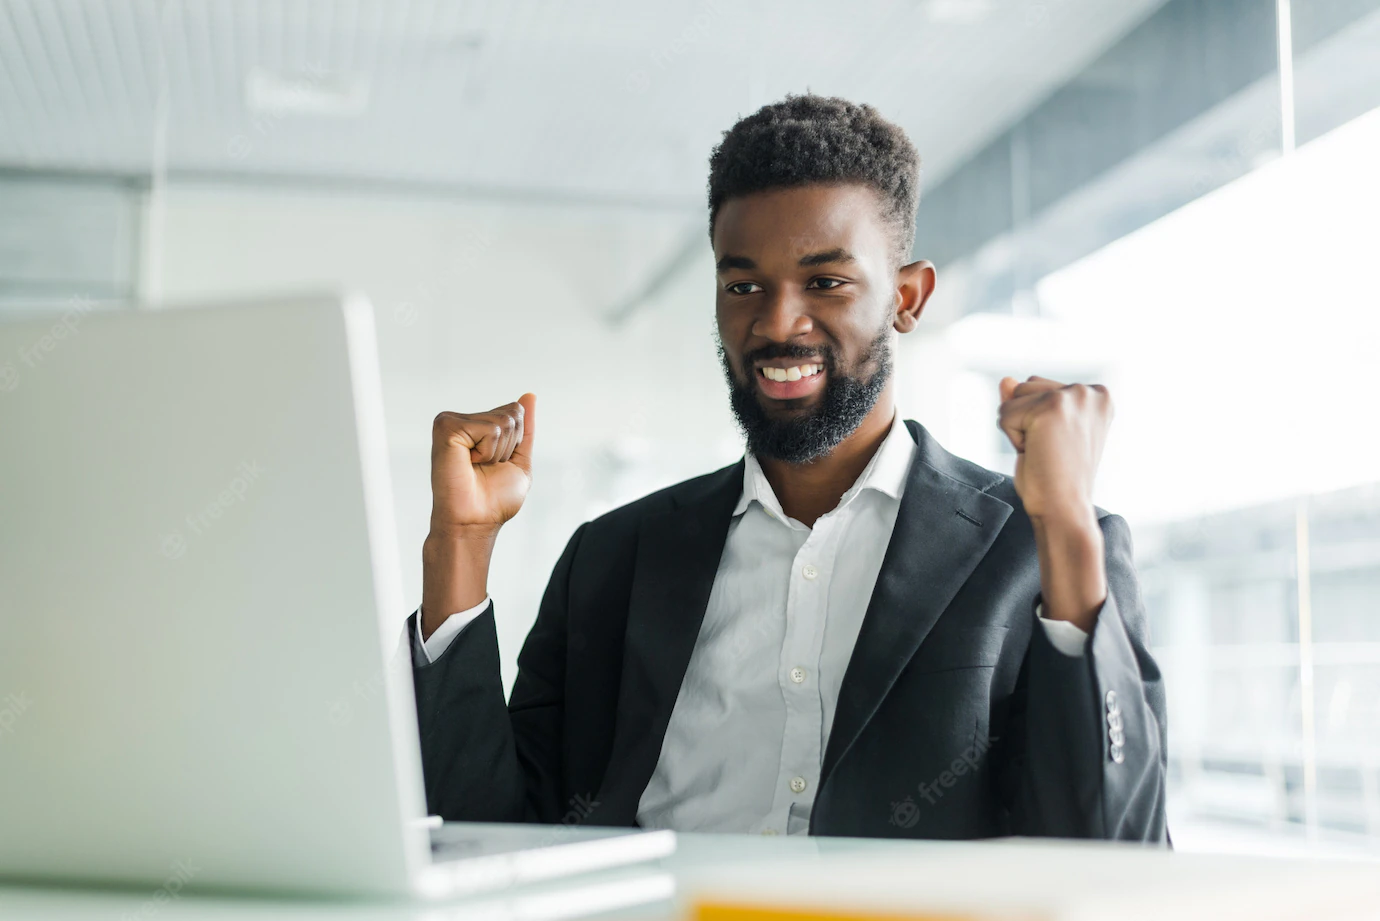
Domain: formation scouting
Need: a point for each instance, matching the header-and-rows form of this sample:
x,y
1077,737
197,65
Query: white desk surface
x,y
1004,879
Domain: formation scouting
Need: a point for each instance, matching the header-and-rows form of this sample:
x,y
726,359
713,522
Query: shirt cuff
x,y
1066,637
432,647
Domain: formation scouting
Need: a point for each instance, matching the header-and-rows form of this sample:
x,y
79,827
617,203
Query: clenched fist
x,y
481,469
1058,431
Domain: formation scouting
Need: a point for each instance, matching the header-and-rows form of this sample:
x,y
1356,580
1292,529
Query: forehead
x,y
801,220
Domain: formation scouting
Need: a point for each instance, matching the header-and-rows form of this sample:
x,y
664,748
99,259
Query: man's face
x,y
807,290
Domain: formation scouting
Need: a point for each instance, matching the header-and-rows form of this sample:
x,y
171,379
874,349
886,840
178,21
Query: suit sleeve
x,y
485,761
1094,745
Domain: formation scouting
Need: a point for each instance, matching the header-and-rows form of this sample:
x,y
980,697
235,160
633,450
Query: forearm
x,y
455,574
1073,569
1089,729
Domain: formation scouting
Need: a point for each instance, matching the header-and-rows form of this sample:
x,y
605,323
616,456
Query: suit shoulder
x,y
975,476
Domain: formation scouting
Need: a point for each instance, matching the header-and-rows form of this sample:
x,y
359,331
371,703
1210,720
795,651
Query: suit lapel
x,y
678,553
944,527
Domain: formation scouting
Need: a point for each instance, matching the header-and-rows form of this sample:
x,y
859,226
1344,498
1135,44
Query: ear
x,y
914,285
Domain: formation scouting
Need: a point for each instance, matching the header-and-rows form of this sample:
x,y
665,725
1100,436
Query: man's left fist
x,y
1058,431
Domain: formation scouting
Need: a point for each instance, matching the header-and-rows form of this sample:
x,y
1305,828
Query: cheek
x,y
729,339
732,325
856,331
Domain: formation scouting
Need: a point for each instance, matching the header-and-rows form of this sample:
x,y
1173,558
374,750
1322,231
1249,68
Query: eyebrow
x,y
838,254
735,262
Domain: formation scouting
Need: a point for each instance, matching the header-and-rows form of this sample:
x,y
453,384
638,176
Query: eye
x,y
825,284
743,287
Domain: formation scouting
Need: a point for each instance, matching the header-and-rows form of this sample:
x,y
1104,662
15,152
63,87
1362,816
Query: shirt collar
x,y
886,473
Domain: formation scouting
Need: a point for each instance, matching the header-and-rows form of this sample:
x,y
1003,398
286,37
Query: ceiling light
x,y
307,92
960,12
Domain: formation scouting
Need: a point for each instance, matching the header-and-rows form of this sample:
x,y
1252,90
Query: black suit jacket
x,y
956,717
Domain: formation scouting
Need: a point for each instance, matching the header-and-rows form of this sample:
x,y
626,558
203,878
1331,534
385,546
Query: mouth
x,y
778,380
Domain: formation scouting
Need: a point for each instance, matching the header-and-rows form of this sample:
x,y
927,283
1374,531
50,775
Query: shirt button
x,y
809,571
797,784
797,674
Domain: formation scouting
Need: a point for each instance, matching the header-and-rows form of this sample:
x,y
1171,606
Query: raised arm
x,y
1091,758
481,468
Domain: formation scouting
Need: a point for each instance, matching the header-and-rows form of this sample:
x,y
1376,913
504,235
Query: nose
x,y
782,318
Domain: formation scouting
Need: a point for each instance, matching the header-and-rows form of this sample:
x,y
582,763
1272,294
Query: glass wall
x,y
1192,221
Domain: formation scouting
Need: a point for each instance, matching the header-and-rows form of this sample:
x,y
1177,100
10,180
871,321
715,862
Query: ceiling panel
x,y
601,99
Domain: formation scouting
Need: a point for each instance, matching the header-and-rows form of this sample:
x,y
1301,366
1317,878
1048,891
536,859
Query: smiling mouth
x,y
780,381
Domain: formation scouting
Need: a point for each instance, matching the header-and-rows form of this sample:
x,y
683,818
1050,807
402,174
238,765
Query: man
x,y
848,632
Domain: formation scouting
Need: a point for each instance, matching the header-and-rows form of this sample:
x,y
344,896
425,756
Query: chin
x,y
785,409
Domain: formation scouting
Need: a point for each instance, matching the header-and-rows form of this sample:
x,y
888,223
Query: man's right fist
x,y
481,468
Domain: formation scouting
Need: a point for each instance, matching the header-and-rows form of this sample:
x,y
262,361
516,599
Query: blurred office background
x,y
1176,197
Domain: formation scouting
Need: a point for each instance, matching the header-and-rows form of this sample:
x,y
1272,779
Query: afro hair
x,y
819,139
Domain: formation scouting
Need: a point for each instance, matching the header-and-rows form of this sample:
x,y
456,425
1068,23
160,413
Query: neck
x,y
807,491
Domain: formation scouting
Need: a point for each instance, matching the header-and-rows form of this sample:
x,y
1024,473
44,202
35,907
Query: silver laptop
x,y
202,677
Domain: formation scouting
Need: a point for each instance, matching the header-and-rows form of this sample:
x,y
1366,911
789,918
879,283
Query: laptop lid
x,y
201,603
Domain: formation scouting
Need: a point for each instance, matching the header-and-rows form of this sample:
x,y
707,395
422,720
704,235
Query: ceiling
x,y
613,101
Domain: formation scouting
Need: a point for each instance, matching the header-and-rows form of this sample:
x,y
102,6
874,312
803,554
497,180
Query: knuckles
x,y
491,426
443,425
1071,400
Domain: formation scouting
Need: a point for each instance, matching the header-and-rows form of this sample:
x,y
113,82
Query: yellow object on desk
x,y
739,911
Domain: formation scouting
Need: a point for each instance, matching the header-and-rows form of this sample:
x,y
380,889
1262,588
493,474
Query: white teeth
x,y
791,374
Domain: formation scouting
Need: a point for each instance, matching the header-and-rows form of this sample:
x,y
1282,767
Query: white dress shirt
x,y
747,735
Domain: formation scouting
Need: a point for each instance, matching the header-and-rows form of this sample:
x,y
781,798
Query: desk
x,y
1006,879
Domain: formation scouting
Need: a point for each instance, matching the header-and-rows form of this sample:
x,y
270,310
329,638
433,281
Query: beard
x,y
800,437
